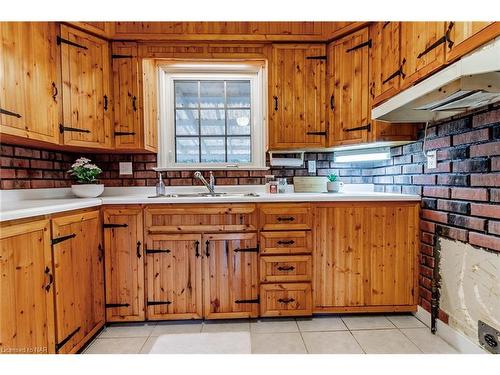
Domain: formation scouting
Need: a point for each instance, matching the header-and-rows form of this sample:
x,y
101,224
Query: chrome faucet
x,y
209,185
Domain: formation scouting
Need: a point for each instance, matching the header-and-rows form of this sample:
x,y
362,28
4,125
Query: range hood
x,y
471,82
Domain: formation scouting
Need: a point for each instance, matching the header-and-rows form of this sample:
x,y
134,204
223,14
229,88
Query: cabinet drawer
x,y
298,242
285,268
286,299
285,216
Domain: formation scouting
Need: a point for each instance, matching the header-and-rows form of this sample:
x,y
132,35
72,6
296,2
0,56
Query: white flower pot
x,y
87,190
334,187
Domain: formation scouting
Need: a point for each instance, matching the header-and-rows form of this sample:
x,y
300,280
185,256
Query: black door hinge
x,y
109,305
63,342
444,39
112,225
69,42
317,133
9,113
154,303
156,251
63,238
247,250
124,133
367,127
63,129
322,57
368,44
398,72
256,300
121,56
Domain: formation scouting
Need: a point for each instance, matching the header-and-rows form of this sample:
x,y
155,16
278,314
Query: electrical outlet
x,y
125,168
311,166
489,337
431,159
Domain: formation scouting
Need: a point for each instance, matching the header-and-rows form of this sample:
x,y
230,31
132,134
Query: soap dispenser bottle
x,y
160,186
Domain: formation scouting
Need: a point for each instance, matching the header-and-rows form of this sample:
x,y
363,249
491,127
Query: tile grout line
x,y
414,343
301,337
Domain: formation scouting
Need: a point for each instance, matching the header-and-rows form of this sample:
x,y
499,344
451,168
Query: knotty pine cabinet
x,y
78,257
30,90
467,36
124,264
366,256
87,93
297,96
26,287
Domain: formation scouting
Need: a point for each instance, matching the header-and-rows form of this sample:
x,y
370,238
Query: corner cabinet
x,y
467,36
87,94
297,96
30,92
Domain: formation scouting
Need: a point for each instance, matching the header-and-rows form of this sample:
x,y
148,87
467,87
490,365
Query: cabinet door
x,y
348,61
124,264
27,308
173,277
422,49
29,84
230,275
79,279
467,36
365,256
297,109
86,90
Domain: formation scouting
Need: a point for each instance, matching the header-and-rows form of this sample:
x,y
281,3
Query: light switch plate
x,y
311,166
126,168
431,159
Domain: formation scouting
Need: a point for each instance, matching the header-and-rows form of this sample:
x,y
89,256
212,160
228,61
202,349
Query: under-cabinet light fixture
x,y
362,155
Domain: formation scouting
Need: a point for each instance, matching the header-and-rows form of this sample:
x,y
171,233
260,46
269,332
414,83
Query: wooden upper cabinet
x,y
173,277
27,307
230,275
467,36
124,265
79,279
348,81
422,49
30,92
87,94
297,96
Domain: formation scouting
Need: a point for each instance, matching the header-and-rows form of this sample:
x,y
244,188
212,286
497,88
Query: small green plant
x,y
84,171
332,177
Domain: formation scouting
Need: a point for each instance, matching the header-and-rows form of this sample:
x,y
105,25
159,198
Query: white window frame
x,y
255,71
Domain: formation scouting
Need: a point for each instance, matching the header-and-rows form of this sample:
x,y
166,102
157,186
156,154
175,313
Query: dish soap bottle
x,y
160,186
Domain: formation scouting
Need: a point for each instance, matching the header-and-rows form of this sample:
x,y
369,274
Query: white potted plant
x,y
86,175
333,185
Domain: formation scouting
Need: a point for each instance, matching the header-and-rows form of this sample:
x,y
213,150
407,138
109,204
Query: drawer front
x,y
285,216
285,268
286,299
298,242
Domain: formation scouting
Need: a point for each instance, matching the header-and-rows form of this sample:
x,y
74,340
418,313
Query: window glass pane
x,y
212,122
186,122
238,121
212,94
238,150
186,94
238,94
213,150
187,150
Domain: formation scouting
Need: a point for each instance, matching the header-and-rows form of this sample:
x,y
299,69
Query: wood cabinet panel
x,y
297,216
87,94
286,299
467,36
297,96
150,121
79,279
29,80
285,268
365,255
348,67
173,277
124,265
27,308
230,275
296,242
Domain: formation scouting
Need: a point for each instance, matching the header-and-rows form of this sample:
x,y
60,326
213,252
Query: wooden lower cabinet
x,y
123,243
293,299
79,279
173,277
26,290
365,256
230,275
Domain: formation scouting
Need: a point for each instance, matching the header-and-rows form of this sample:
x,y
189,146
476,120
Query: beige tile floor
x,y
376,334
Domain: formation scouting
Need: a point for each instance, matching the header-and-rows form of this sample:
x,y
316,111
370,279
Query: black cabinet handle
x,y
197,249
139,249
332,104
207,248
55,91
288,242
275,102
286,268
285,300
51,279
134,104
105,102
289,218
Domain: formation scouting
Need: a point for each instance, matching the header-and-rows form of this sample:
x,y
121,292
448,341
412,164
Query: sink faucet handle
x,y
212,180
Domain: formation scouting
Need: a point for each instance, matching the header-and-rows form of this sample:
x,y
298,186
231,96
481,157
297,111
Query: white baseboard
x,y
456,339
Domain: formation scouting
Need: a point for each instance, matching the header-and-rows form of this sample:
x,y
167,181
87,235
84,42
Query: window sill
x,y
204,168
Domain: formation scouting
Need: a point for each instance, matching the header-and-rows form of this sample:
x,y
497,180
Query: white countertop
x,y
18,204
